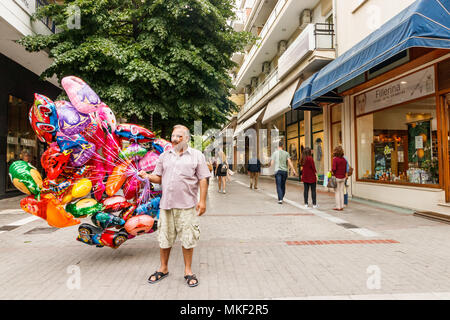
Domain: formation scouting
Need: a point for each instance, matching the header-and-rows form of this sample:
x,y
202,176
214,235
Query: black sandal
x,y
158,276
189,278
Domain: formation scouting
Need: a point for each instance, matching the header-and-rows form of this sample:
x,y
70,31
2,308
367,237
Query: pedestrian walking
x,y
210,168
222,172
281,160
309,177
181,171
214,164
339,170
254,170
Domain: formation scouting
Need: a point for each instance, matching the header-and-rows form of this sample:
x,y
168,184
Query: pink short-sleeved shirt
x,y
180,176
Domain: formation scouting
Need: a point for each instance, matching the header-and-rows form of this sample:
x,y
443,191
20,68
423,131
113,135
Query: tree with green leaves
x,y
169,59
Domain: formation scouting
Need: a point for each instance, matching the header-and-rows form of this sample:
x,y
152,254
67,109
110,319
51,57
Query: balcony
x,y
270,21
280,25
262,89
315,36
46,21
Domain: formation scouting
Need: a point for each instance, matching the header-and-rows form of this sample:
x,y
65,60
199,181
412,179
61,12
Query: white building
x,y
19,80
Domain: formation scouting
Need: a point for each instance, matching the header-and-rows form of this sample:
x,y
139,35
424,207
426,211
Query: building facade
x,y
295,39
19,80
372,84
389,90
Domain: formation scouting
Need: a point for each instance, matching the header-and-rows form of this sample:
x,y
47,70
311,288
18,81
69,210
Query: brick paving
x,y
251,247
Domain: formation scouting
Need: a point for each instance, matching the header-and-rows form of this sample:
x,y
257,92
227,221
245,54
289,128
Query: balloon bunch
x,y
91,166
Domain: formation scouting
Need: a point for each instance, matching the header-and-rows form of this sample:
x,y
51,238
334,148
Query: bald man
x,y
181,171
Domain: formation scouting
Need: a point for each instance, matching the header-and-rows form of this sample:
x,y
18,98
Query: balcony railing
x,y
324,35
46,20
262,89
270,21
314,36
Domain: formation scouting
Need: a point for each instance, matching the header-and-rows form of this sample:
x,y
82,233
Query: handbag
x,y
224,168
332,182
350,171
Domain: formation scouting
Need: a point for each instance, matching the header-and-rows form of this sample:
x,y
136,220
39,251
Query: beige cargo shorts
x,y
178,222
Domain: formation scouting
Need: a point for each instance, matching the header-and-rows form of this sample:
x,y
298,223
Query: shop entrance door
x,y
447,153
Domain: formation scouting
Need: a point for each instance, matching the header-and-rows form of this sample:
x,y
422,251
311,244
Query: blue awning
x,y
425,23
302,96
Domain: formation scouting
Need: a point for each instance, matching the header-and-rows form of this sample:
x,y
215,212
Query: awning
x,y
302,96
425,23
247,123
280,104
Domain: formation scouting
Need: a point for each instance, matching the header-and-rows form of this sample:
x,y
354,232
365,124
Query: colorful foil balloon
x,y
84,148
70,120
82,97
81,155
117,178
148,162
139,224
161,145
106,220
25,177
81,188
43,118
133,151
49,209
84,208
132,132
54,161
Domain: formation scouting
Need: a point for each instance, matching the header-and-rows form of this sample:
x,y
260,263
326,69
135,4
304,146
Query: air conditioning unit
x,y
305,18
254,82
282,45
266,67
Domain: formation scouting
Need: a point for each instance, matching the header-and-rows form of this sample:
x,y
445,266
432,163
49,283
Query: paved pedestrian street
x,y
251,247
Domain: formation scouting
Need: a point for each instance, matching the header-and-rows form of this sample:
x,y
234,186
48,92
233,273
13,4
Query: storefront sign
x,y
28,5
28,142
304,43
414,86
12,140
419,142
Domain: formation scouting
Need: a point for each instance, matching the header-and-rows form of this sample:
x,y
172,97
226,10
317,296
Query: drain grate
x,y
348,225
8,228
41,230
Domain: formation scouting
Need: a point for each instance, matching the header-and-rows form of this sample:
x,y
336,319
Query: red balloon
x,y
133,132
139,224
54,161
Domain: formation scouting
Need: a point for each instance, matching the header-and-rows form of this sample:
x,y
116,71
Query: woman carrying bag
x,y
309,177
222,172
339,171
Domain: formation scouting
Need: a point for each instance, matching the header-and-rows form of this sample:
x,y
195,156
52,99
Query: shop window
x,y
336,126
317,144
292,144
21,141
443,74
399,144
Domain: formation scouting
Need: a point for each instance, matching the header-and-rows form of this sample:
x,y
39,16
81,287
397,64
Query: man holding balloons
x,y
181,171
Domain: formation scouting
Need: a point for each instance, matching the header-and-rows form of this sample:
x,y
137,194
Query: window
x,y
399,144
336,126
21,140
317,143
295,135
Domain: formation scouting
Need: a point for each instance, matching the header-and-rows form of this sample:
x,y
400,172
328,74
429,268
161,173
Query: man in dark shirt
x,y
254,169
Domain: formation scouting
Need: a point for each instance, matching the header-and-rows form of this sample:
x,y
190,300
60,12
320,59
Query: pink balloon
x,y
97,176
131,187
106,118
148,162
83,98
